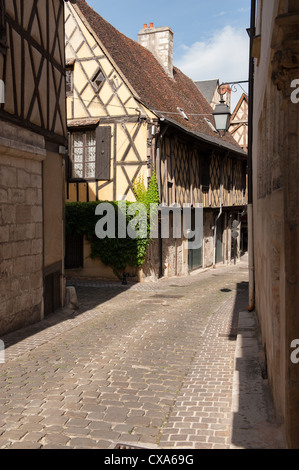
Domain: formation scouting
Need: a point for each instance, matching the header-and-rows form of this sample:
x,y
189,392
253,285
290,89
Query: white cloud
x,y
221,13
223,55
243,10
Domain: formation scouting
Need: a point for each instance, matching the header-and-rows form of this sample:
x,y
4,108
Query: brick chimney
x,y
160,42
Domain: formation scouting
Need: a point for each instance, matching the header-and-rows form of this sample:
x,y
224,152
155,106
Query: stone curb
x,y
254,425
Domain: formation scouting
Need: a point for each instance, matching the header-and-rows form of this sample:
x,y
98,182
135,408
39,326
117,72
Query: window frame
x,y
93,80
72,177
69,69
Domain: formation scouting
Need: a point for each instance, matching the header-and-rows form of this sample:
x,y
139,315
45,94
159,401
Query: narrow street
x,y
151,365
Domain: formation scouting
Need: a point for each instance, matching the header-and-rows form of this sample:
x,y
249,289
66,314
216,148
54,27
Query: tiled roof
x,y
152,84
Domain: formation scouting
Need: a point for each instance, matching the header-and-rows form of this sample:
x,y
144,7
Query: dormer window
x,y
98,79
3,43
183,114
211,125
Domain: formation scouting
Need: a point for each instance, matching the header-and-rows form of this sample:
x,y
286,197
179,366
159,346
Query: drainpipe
x,y
158,165
251,299
218,217
176,257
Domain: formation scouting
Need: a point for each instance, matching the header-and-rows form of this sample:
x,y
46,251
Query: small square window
x,y
98,79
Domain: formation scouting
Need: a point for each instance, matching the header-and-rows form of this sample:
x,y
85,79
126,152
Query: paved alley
x,y
149,365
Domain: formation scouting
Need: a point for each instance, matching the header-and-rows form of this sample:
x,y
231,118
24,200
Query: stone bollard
x,y
71,300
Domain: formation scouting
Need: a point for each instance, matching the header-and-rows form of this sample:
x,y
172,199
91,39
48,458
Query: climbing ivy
x,y
146,197
115,252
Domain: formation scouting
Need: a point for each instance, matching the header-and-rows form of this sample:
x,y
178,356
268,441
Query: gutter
x,y
197,135
158,165
218,217
251,267
203,137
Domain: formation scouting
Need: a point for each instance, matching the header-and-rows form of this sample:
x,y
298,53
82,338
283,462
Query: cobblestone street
x,y
150,365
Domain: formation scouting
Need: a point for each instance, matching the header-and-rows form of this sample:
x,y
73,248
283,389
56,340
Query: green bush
x,y
115,252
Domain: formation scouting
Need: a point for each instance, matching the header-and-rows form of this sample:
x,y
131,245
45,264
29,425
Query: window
x,y
210,125
90,154
84,154
69,76
98,79
69,80
182,112
3,43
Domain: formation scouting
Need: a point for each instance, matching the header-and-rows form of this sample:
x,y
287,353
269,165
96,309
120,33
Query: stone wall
x,y
276,203
21,228
174,259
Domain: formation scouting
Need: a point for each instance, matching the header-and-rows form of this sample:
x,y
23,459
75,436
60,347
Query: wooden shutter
x,y
103,150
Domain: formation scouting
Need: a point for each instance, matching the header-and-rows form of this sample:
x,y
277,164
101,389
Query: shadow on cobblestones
x,y
149,364
90,297
95,294
241,303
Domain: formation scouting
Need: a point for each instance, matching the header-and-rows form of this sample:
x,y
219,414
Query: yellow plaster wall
x,y
114,100
85,70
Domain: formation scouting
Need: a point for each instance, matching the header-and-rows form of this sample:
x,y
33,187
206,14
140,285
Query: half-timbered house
x,y
33,139
239,122
131,111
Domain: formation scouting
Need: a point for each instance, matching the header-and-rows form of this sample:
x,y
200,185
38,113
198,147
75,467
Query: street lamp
x,y
222,113
222,116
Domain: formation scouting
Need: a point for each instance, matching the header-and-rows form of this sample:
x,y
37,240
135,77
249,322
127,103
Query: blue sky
x,y
210,38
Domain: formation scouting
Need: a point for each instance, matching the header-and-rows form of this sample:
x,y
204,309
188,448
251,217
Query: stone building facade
x,y
32,144
21,227
276,201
